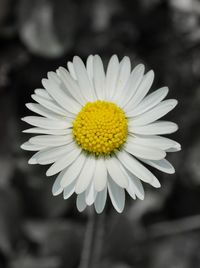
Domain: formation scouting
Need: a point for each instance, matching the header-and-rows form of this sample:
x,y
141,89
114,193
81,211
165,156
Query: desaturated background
x,y
38,230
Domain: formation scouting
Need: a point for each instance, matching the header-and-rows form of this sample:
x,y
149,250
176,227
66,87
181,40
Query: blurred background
x,y
36,36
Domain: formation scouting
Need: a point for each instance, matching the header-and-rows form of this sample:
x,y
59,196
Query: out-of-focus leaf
x,y
41,262
9,220
36,28
57,238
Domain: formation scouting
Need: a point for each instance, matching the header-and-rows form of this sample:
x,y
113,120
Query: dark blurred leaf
x,y
57,238
36,27
9,220
30,262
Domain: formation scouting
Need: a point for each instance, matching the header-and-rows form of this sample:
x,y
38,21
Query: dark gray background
x,y
38,230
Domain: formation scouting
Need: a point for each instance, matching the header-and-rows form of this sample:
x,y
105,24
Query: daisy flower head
x,y
100,129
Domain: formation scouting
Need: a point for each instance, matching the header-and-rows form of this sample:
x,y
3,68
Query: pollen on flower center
x,y
100,127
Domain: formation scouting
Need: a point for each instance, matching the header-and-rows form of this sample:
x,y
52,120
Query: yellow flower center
x,y
100,127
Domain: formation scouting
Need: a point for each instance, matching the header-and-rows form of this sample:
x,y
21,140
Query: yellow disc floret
x,y
100,127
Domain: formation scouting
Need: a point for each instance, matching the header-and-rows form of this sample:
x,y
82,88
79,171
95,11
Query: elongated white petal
x,y
154,114
136,168
132,85
148,102
72,172
31,147
175,148
111,77
71,70
157,128
83,79
51,140
37,108
71,85
99,77
57,188
51,155
134,186
42,93
117,195
89,67
64,162
143,151
100,201
80,202
124,74
100,175
114,170
42,122
90,194
159,142
67,103
86,174
37,130
69,190
54,78
142,90
50,104
162,165
32,160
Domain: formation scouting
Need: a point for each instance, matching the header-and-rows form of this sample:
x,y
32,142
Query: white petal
x,y
142,90
100,200
51,140
136,168
83,79
89,67
32,160
124,74
162,165
111,77
42,122
154,114
51,155
42,93
143,151
71,173
157,128
69,190
117,195
49,104
135,186
100,175
99,78
175,148
31,147
61,97
86,175
148,102
37,108
71,70
80,202
114,170
90,194
71,85
48,131
133,84
64,162
159,142
57,188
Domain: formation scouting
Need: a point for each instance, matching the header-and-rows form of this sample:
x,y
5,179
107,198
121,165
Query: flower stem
x,y
92,245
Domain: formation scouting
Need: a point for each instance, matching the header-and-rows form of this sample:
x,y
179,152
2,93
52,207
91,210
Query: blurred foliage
x,y
39,230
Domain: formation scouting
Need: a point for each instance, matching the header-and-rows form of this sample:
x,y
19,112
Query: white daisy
x,y
97,129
